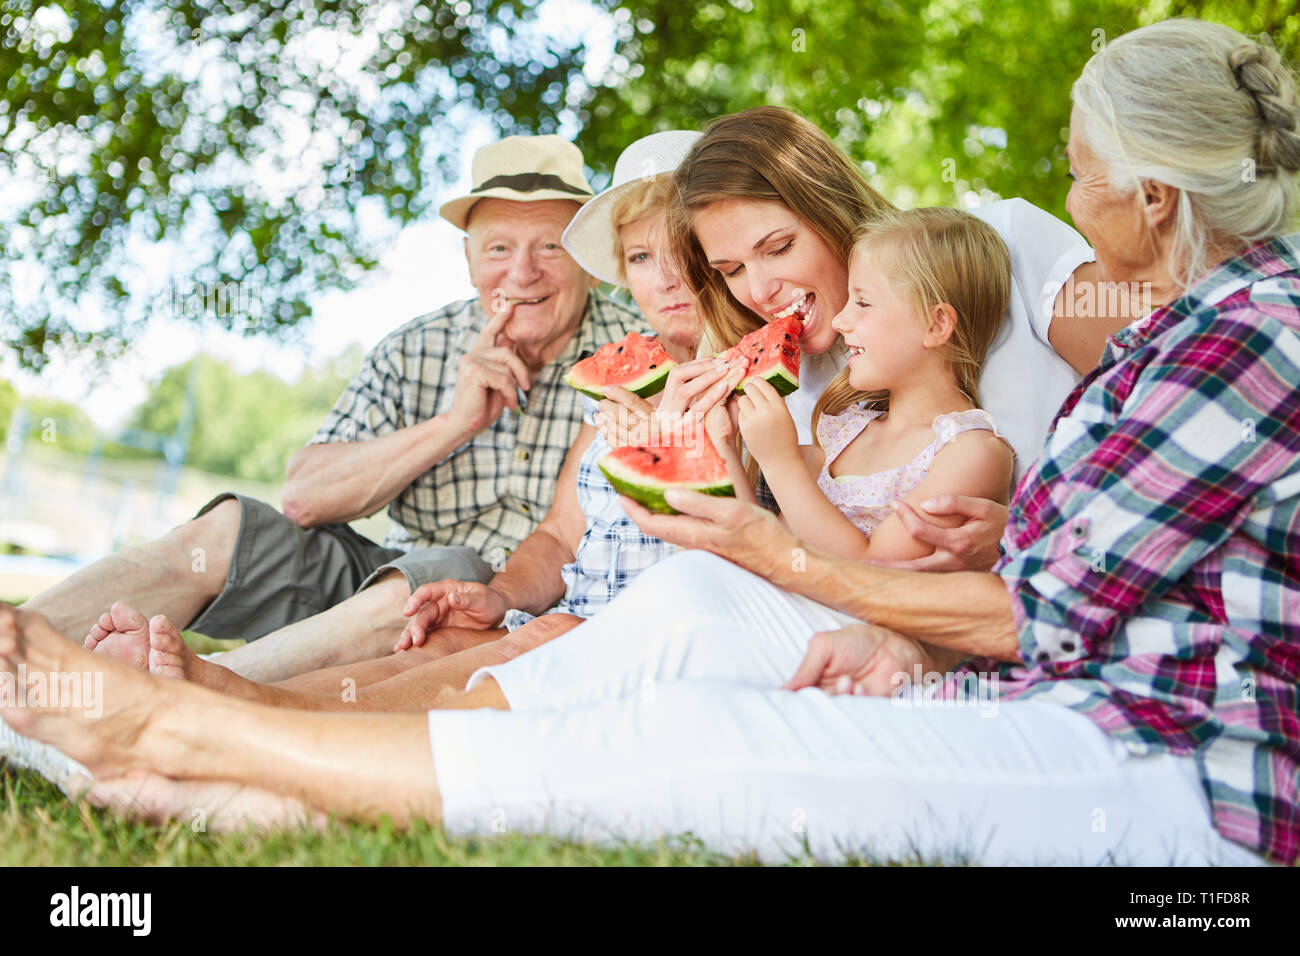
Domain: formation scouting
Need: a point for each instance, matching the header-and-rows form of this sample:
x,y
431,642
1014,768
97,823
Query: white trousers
x,y
661,716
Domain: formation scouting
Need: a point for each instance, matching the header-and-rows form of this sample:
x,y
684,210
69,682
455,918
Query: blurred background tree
x,y
266,139
245,425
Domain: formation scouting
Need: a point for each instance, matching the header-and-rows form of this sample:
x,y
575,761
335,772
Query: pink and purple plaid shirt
x,y
1153,550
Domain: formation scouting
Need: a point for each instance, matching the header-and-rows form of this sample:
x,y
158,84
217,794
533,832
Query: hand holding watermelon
x,y
766,425
743,533
698,386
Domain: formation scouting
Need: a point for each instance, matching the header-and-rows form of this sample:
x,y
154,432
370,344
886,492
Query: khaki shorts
x,y
281,573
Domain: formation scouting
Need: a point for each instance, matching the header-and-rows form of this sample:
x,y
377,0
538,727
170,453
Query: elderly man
x,y
458,421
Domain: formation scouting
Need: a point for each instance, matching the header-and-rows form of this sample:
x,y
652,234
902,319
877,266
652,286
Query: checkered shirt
x,y
613,550
490,493
1153,551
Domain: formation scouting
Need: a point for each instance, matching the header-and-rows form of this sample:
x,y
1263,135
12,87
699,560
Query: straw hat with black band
x,y
523,169
591,236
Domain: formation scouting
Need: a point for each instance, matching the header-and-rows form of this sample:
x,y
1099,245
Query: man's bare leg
x,y
363,627
160,575
330,762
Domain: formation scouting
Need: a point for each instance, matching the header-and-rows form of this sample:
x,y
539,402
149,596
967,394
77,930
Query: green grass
x,y
39,826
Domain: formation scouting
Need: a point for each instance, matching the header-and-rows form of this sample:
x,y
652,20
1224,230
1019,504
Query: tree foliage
x,y
245,136
253,142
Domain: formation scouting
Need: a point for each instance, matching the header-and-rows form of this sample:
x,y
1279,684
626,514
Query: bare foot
x,y
122,633
169,655
105,735
204,805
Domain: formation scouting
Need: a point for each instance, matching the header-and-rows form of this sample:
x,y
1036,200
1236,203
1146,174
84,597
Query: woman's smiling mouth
x,y
804,307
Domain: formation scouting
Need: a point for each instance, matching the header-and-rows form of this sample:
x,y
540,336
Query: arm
x,y
338,478
975,463
722,432
1085,312
338,481
964,612
531,579
808,512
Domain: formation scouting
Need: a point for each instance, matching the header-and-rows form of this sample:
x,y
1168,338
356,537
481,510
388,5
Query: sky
x,y
422,268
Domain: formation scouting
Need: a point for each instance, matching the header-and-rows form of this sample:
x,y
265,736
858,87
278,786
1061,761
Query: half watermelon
x,y
645,472
637,363
772,353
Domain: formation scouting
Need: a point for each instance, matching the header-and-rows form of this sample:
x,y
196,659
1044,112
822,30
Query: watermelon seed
x,y
620,348
654,365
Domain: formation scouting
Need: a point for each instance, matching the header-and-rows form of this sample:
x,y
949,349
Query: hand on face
x,y
489,377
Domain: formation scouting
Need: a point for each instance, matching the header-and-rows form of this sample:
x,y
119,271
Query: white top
x,y
1024,381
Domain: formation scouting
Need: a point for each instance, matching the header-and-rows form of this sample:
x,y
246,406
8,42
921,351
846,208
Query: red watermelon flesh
x,y
645,472
637,363
772,353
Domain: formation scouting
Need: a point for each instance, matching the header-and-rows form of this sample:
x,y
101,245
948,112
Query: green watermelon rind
x,y
652,383
779,378
643,490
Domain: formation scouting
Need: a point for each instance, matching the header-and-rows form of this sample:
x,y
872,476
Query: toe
x,y
126,618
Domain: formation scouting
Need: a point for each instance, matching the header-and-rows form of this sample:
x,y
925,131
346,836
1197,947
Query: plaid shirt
x,y
1153,551
491,492
613,550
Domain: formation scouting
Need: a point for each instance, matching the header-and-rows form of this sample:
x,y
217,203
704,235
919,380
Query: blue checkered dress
x,y
612,552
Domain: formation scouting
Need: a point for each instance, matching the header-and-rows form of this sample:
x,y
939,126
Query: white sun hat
x,y
524,169
590,237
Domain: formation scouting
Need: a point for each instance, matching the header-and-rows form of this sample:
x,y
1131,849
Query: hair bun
x,y
1259,72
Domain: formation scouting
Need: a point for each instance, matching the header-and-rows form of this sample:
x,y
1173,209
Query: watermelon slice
x,y
772,353
639,364
645,472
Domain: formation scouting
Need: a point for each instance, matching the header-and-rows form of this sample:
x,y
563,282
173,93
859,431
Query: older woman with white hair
x,y
1138,635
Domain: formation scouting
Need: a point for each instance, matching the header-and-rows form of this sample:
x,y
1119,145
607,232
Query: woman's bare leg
x,y
535,633
205,805
447,641
415,687
361,766
348,687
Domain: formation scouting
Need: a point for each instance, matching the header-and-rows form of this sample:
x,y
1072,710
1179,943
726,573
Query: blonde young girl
x,y
927,292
